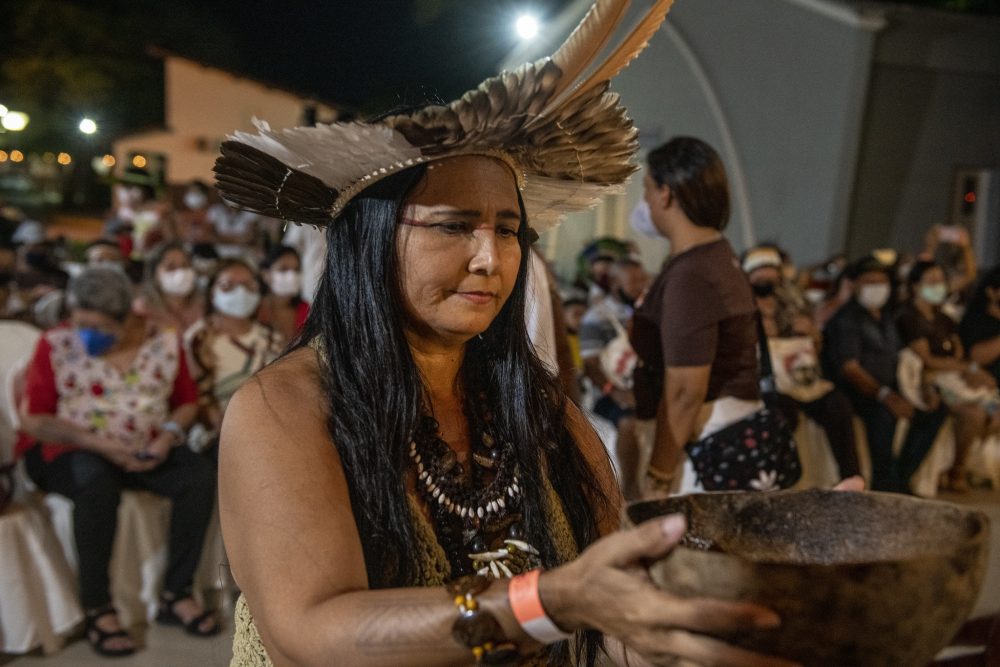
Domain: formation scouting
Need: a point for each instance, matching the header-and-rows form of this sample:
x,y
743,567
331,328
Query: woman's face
x,y
234,277
458,248
173,260
287,262
236,293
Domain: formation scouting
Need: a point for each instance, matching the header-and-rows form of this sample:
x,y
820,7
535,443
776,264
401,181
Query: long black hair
x,y
376,396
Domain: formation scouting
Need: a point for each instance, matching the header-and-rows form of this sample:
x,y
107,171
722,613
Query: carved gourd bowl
x,y
859,579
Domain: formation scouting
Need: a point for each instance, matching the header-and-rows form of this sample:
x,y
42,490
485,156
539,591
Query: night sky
x,y
60,59
374,53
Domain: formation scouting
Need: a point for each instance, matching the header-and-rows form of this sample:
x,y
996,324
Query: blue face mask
x,y
95,341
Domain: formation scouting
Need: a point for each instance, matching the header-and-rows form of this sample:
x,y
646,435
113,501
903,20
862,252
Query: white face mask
x,y
195,199
815,296
286,283
873,297
935,294
179,282
238,302
642,220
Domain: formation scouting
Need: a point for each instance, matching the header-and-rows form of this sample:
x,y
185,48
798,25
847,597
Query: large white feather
x,y
337,154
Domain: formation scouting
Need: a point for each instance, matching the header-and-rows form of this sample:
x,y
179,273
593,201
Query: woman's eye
x,y
506,232
452,227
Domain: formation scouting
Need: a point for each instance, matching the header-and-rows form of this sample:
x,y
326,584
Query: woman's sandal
x,y
98,637
167,616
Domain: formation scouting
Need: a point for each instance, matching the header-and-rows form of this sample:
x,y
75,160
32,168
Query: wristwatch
x,y
180,435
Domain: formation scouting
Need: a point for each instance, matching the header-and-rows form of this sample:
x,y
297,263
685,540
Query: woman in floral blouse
x,y
107,401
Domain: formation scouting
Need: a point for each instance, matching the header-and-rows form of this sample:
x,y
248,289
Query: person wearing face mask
x,y
793,342
107,401
600,327
192,221
980,327
861,353
228,345
967,390
170,294
696,335
104,252
283,307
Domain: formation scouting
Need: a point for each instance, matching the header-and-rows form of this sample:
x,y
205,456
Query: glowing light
x,y
3,110
3,156
16,156
88,126
64,158
970,197
527,26
108,160
15,121
138,161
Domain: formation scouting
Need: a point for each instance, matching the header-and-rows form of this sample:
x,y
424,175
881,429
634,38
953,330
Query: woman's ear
x,y
663,197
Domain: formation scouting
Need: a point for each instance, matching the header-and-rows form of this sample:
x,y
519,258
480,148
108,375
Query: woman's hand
x,y
979,379
899,406
608,589
155,453
855,483
115,451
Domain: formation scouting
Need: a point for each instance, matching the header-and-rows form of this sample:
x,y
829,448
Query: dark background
x,y
61,60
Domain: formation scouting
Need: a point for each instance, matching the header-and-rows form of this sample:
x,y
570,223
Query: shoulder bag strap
x,y
767,383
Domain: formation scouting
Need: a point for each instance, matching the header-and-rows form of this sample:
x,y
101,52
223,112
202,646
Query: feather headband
x,y
567,139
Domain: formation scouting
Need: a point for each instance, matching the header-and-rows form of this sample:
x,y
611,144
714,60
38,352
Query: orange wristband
x,y
526,604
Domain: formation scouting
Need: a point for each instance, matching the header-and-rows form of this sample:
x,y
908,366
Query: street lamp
x,y
88,126
14,121
527,26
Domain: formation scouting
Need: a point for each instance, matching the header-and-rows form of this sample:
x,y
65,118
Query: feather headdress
x,y
567,139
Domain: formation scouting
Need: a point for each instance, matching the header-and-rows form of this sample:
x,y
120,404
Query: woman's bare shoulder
x,y
283,402
293,379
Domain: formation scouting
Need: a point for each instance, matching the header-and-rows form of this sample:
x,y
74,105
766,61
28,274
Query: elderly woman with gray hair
x,y
107,400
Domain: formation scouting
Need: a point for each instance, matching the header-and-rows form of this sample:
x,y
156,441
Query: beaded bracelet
x,y
477,629
658,481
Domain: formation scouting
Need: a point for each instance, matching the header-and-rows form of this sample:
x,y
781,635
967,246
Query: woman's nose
x,y
485,259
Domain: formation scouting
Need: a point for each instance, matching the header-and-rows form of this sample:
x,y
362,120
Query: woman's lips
x,y
478,298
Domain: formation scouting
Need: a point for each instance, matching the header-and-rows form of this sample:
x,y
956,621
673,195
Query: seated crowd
x,y
147,333
886,339
157,323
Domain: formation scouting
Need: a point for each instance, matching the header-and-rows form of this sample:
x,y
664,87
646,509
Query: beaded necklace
x,y
477,514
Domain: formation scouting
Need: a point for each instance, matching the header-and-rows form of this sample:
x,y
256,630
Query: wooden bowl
x,y
859,579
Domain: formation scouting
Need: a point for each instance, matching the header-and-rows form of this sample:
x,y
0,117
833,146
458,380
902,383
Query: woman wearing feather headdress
x,y
391,489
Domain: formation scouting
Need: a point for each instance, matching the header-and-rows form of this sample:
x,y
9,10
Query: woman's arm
x,y
50,428
985,352
293,543
684,392
936,363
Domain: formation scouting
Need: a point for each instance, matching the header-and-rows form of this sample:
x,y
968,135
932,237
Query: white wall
x,y
934,107
203,105
778,89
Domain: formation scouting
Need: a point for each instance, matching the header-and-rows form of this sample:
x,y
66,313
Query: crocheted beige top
x,y
248,649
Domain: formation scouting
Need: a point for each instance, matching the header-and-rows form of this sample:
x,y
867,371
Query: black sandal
x,y
167,616
97,637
